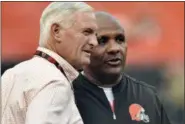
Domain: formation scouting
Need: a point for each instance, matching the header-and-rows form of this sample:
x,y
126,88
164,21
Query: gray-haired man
x,y
38,91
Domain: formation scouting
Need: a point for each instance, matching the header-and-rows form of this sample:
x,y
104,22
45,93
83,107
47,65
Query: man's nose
x,y
113,47
93,40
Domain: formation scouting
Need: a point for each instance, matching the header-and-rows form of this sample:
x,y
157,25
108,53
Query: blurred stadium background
x,y
155,34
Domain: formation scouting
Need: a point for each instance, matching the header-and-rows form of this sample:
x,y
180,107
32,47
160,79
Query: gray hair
x,y
59,12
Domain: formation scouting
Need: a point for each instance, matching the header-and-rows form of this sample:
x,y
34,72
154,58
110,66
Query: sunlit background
x,y
155,34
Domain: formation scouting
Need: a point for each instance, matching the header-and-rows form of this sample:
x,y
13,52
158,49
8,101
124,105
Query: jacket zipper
x,y
114,116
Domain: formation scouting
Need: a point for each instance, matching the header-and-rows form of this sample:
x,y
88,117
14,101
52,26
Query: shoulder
x,y
82,84
79,80
139,86
31,77
35,67
142,92
34,74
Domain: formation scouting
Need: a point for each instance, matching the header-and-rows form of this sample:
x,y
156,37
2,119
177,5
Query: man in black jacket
x,y
104,94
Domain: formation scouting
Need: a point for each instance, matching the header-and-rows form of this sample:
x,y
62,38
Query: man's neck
x,y
101,81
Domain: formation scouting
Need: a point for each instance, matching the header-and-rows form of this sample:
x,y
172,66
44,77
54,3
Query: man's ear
x,y
56,32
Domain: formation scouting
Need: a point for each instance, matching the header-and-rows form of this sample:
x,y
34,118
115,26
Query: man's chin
x,y
85,62
113,71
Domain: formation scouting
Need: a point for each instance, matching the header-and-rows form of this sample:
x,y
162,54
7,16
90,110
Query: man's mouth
x,y
87,52
114,62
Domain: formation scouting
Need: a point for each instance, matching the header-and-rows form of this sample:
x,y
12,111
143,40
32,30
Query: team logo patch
x,y
137,113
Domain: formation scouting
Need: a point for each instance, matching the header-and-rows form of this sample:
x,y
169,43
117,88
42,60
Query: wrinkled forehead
x,y
86,19
85,16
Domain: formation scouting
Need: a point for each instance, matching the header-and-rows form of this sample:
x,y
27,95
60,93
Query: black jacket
x,y
137,96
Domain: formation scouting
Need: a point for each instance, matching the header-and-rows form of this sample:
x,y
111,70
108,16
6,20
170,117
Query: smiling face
x,y
77,41
110,55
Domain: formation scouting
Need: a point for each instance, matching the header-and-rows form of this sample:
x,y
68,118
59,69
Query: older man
x,y
39,91
105,95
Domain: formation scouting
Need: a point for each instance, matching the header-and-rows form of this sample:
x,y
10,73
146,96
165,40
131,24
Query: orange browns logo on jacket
x,y
137,113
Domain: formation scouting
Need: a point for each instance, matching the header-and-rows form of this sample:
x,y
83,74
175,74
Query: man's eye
x,y
102,40
120,39
87,32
